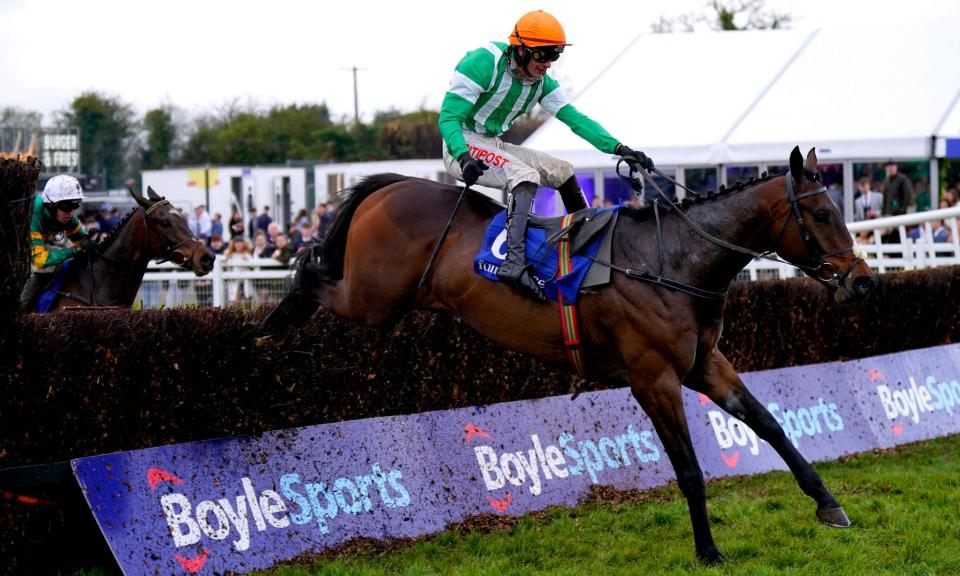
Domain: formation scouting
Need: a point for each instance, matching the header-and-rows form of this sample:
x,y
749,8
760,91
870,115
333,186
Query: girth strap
x,y
568,312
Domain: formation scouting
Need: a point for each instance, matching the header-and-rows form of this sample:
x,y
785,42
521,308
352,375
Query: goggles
x,y
67,205
546,54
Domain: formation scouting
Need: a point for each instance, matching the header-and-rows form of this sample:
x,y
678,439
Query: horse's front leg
x,y
721,383
660,398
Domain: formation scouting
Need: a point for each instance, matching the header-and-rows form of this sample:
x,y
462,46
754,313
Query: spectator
x,y
283,251
869,203
236,223
897,198
300,218
865,237
113,221
897,191
260,247
238,252
941,231
319,220
835,192
950,196
302,236
216,244
327,213
252,222
273,230
264,219
91,224
201,223
216,225
102,216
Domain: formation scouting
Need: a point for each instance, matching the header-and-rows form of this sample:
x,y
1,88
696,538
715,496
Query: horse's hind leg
x,y
721,383
662,402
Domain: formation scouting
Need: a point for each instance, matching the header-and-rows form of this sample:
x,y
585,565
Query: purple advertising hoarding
x,y
246,503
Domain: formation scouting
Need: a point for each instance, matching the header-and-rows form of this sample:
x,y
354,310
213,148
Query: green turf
x,y
904,504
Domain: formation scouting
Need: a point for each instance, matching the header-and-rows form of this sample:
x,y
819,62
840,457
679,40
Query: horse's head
x,y
814,237
176,242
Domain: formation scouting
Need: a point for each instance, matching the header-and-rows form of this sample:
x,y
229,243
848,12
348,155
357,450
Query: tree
x,y
246,134
161,138
410,135
17,127
726,15
106,129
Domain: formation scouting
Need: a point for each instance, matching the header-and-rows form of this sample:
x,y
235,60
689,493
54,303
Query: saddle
x,y
589,234
583,229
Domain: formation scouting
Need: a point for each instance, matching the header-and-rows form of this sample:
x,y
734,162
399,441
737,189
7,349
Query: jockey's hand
x,y
634,158
89,243
471,168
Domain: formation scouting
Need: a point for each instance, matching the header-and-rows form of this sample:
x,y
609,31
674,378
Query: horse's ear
x,y
796,164
811,163
153,195
140,199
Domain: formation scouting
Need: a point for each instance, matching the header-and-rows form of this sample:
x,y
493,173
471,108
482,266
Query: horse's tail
x,y
322,263
329,255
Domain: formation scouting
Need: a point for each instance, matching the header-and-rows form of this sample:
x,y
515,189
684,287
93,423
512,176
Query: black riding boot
x,y
32,290
514,270
572,195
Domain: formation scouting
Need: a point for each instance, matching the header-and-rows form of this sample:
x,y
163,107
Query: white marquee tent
x,y
866,91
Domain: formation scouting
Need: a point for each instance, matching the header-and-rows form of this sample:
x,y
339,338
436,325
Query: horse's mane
x,y
710,196
112,235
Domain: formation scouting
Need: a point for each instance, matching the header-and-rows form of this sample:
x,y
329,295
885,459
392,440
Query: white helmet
x,y
60,188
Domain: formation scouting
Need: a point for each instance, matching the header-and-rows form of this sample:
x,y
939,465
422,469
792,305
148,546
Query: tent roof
x,y
870,91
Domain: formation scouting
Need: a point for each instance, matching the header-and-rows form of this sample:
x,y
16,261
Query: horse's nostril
x,y
864,284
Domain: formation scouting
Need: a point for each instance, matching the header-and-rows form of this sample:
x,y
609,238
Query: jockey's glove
x,y
634,158
88,243
471,168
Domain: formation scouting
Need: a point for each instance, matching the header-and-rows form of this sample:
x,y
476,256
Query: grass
x,y
904,504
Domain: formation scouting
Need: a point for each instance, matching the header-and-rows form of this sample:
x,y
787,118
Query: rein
x,y
824,271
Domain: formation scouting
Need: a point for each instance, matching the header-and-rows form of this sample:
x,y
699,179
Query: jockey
x,y
491,88
53,218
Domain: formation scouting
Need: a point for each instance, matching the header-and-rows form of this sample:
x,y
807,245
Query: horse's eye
x,y
822,216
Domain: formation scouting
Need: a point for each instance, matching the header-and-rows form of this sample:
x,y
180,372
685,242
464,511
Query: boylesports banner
x,y
245,503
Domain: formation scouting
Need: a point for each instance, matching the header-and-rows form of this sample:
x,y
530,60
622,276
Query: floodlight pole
x,y
356,106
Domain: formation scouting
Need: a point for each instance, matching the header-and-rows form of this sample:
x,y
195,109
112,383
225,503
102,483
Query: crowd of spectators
x,y
897,194
259,237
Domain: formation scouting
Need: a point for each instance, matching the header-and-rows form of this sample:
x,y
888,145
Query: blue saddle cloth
x,y
542,257
49,296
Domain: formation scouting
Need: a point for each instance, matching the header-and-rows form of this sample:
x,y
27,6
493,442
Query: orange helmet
x,y
538,28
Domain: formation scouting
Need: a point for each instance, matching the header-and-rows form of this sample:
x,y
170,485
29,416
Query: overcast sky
x,y
200,54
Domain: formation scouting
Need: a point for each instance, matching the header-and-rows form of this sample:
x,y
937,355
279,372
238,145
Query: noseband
x,y
823,271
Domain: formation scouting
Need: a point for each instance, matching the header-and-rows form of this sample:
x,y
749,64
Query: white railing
x,y
261,281
247,283
908,254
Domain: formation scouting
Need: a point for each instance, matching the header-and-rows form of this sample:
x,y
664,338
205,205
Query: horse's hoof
x,y
834,517
711,557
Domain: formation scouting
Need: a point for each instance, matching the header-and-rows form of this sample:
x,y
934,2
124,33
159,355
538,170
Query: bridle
x,y
170,251
825,272
822,271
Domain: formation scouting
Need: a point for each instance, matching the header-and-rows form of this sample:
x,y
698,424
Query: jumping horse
x,y
652,336
111,272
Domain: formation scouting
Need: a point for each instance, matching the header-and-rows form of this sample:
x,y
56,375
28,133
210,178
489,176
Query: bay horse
x,y
110,274
652,337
